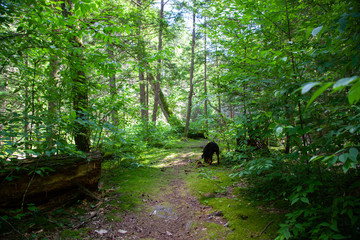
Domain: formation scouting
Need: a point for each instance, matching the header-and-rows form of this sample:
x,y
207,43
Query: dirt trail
x,y
173,213
151,198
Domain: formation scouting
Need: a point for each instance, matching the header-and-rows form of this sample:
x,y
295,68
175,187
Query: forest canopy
x,y
275,82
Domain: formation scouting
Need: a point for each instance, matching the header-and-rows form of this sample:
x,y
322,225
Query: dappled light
x,y
179,119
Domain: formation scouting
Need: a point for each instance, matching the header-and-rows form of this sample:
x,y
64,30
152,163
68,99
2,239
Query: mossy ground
x,y
211,184
168,176
247,218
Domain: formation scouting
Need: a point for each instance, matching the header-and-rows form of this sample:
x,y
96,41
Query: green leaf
x,y
318,92
332,161
353,153
33,208
354,93
343,82
305,200
39,172
308,86
278,131
294,201
315,158
346,166
315,31
9,151
343,157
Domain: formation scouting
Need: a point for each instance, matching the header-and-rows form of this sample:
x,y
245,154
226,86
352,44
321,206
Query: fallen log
x,y
48,181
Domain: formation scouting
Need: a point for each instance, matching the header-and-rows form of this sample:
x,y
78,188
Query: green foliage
x,y
292,68
283,87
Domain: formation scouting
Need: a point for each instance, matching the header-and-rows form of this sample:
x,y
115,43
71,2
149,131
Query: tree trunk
x,y
168,114
188,115
205,82
80,105
112,86
52,97
217,68
26,113
141,55
3,88
80,88
295,74
157,99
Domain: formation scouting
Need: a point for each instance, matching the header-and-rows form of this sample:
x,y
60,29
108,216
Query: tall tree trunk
x,y
141,55
295,74
3,88
169,115
188,114
112,85
80,90
80,103
52,98
26,112
157,100
217,69
205,81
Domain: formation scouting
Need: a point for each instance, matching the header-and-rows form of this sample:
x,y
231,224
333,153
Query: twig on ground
x,y
17,231
85,221
264,229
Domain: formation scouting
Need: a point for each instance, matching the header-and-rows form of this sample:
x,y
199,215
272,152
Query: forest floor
x,y
164,195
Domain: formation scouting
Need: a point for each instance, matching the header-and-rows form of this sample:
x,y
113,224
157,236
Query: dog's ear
x,y
202,156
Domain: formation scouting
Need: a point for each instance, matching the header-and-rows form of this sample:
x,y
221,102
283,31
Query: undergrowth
x,y
323,201
247,217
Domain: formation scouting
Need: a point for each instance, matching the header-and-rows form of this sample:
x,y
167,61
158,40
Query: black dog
x,y
208,152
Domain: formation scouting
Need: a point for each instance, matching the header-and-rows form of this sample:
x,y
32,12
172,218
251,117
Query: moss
x,y
130,185
247,218
128,182
212,230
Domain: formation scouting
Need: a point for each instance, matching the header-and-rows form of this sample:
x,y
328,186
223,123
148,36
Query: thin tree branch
x,y
17,231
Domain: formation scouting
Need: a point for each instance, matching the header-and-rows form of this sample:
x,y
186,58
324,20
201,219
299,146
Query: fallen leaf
x,y
101,231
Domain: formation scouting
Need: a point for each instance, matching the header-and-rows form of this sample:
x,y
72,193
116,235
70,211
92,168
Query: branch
x,y
136,3
14,35
216,109
264,229
17,231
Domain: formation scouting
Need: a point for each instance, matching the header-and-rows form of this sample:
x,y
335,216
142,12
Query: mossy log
x,y
48,180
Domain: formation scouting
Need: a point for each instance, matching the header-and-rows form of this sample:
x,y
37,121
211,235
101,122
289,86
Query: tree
x,y
189,106
142,66
80,85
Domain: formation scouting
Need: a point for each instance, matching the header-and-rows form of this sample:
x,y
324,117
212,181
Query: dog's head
x,y
207,160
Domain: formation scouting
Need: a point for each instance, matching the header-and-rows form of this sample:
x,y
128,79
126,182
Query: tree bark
x,y
157,99
26,113
60,177
295,74
168,114
80,88
52,98
205,81
112,86
217,68
189,107
141,55
3,88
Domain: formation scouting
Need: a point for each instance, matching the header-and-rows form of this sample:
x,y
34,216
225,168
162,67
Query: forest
x,y
275,83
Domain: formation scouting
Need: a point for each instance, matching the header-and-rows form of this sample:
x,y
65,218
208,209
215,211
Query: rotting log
x,y
67,179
